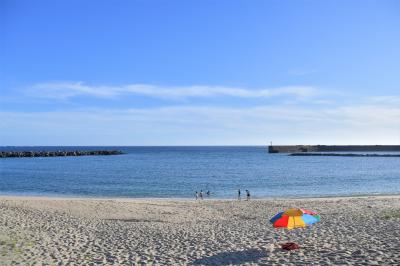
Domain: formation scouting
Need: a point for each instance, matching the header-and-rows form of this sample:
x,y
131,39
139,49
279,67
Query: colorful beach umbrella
x,y
294,218
314,214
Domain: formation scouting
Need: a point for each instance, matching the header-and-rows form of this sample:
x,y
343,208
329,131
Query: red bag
x,y
290,246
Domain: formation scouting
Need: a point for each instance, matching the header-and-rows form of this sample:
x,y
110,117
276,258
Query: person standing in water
x,y
197,195
247,195
201,194
238,194
208,193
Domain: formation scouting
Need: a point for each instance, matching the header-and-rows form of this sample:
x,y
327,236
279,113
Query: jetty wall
x,y
333,148
345,154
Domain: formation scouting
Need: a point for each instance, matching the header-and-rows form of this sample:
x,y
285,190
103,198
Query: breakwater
x,y
345,154
333,148
13,154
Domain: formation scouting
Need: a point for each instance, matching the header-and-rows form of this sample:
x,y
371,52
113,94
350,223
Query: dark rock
x,y
13,154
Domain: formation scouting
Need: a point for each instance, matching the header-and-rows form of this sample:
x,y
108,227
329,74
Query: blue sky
x,y
199,72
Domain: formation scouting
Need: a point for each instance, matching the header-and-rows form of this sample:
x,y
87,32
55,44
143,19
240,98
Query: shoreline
x,y
132,199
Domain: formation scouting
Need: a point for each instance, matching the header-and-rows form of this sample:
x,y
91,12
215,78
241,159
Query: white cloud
x,y
367,121
189,125
389,99
65,90
302,72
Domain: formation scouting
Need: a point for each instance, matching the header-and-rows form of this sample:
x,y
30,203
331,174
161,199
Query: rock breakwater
x,y
14,154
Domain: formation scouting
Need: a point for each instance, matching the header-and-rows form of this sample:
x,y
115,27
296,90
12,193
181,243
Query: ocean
x,y
177,172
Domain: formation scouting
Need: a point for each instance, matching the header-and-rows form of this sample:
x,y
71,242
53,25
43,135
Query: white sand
x,y
60,231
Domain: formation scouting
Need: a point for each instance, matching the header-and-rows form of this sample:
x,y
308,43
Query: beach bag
x,y
290,246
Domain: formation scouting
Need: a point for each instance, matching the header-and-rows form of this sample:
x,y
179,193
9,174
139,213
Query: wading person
x,y
247,195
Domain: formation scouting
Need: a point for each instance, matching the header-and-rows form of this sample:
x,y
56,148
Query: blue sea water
x,y
179,171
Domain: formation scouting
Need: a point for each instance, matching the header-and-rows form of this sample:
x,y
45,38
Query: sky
x,y
147,72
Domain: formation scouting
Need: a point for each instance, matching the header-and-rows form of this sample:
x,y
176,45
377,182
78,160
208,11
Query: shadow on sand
x,y
232,257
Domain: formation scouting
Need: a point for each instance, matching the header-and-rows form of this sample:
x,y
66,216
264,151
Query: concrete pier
x,y
333,148
345,154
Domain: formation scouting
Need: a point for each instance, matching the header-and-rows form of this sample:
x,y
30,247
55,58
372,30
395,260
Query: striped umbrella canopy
x,y
294,218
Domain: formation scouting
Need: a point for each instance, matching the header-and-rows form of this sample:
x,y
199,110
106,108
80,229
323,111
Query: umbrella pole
x,y
294,223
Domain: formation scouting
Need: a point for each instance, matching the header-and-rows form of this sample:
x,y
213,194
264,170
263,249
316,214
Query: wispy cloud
x,y
190,125
302,72
65,90
286,120
388,99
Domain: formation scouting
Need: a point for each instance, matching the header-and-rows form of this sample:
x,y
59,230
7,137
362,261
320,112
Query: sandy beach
x,y
61,231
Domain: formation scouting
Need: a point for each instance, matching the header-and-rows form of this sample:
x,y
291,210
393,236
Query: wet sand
x,y
77,231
